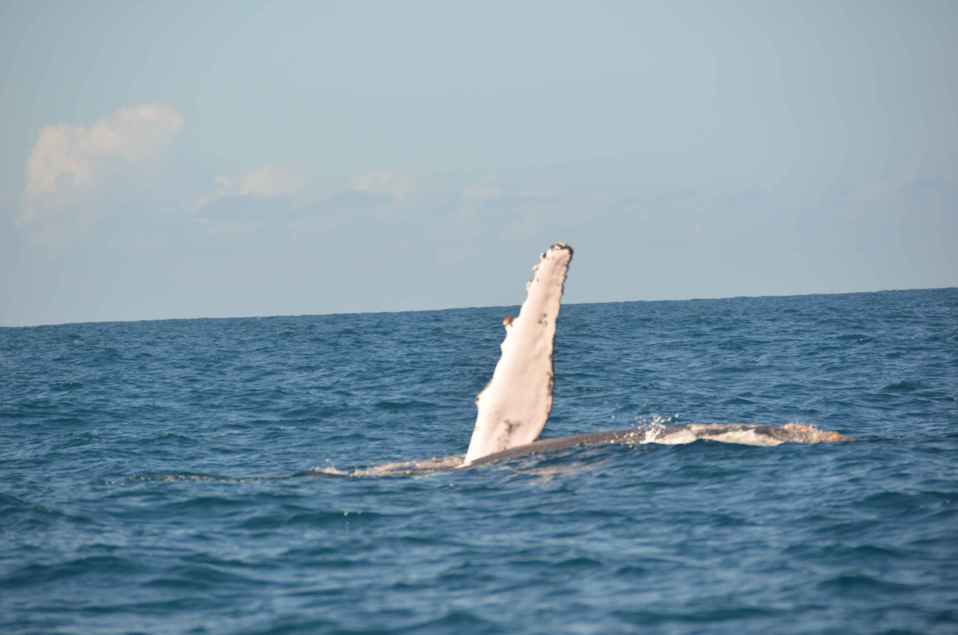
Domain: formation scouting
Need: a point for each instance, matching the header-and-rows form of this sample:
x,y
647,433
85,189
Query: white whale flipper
x,y
515,405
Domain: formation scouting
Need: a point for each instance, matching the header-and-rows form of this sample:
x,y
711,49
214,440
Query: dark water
x,y
155,476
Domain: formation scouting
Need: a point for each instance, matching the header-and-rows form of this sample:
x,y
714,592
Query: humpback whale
x,y
513,408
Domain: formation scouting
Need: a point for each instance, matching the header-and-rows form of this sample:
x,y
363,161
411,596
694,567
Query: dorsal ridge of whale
x,y
514,407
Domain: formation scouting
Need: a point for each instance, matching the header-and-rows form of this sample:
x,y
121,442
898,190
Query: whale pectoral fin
x,y
515,405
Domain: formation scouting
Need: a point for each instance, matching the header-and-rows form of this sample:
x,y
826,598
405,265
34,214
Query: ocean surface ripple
x,y
181,476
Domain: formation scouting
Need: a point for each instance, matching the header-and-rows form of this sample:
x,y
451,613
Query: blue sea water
x,y
173,476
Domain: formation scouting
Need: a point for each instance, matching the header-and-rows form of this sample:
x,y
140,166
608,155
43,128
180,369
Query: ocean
x,y
206,476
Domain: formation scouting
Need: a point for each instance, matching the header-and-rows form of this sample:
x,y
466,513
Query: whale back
x,y
514,406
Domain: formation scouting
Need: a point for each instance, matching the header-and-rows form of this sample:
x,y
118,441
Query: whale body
x,y
514,407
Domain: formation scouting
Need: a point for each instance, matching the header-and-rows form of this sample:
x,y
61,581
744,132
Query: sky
x,y
178,160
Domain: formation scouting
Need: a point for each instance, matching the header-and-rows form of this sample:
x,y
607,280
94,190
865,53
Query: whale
x,y
514,407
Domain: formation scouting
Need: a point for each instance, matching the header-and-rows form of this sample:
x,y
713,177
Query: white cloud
x,y
272,181
482,192
268,181
68,159
398,186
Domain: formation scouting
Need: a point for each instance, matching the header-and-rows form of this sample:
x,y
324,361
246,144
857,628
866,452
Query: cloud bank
x,y
268,181
68,160
392,184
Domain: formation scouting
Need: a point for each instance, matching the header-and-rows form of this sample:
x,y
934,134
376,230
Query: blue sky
x,y
168,160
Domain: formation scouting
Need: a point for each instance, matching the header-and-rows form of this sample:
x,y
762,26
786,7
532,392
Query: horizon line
x,y
465,308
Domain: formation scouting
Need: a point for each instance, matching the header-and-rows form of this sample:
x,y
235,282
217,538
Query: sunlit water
x,y
193,476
